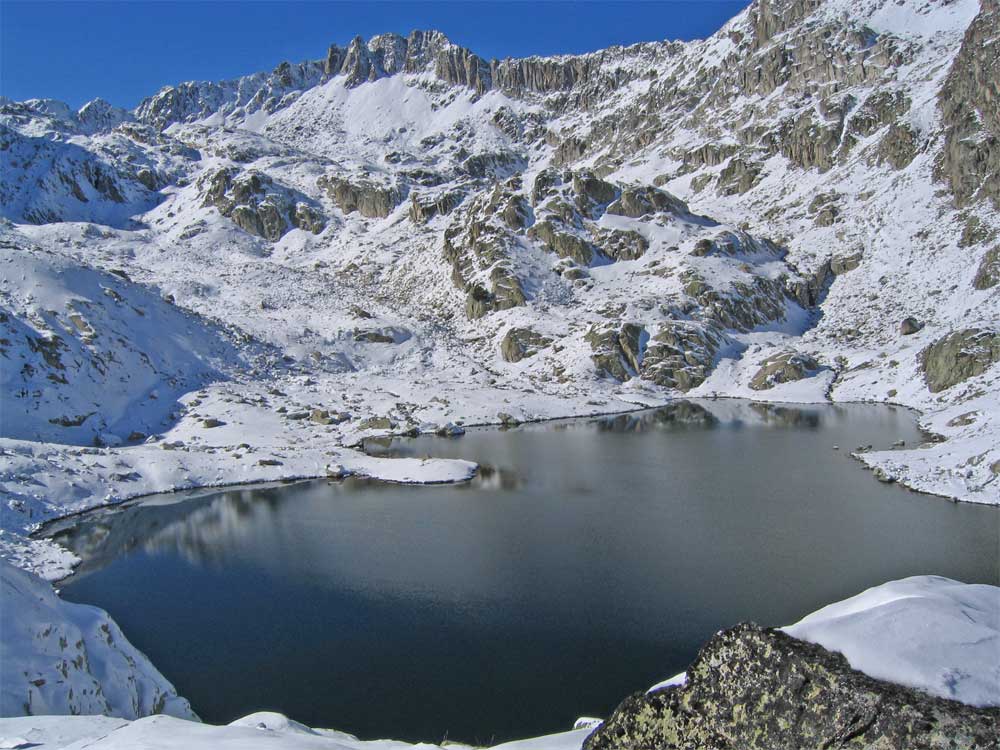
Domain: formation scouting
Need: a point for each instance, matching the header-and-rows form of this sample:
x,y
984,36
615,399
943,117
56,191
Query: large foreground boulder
x,y
754,688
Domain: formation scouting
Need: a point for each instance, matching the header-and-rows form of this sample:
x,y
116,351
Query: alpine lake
x,y
587,560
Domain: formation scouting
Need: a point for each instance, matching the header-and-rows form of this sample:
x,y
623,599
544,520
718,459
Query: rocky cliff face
x,y
970,108
759,689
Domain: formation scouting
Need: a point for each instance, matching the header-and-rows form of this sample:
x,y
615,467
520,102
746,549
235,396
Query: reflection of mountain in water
x,y
191,527
787,416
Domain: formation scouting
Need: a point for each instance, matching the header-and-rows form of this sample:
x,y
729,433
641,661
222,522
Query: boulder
x,y
377,423
785,367
753,688
909,326
841,264
520,343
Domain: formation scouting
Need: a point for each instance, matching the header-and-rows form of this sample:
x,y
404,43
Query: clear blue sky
x,y
124,51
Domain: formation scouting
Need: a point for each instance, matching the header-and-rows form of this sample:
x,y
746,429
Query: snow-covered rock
x,y
927,632
757,687
63,658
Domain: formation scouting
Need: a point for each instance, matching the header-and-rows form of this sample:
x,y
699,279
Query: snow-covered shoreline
x,y
32,552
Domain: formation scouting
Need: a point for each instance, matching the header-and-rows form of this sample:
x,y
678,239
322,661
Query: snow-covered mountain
x,y
255,274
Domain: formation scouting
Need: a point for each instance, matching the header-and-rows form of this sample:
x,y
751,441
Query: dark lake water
x,y
590,559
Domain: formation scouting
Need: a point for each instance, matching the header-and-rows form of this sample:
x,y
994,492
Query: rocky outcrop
x,y
825,209
841,264
881,108
988,273
898,146
423,208
786,367
258,205
738,176
617,351
959,356
641,200
521,343
480,245
555,237
621,244
756,688
592,194
970,161
370,199
743,305
498,165
681,355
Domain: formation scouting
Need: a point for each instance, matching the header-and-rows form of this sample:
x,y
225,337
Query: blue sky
x,y
124,51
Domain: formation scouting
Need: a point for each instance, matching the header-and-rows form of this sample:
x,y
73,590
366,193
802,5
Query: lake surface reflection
x,y
588,560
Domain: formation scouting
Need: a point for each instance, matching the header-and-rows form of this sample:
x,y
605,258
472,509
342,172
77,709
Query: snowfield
x,y
241,281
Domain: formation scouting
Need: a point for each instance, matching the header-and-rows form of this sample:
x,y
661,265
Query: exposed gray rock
x,y
508,420
753,688
738,176
909,326
898,146
958,357
423,208
368,198
970,161
592,192
480,242
841,264
617,351
563,243
988,274
639,201
825,209
621,244
258,205
377,423
881,108
785,367
494,165
681,354
520,343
